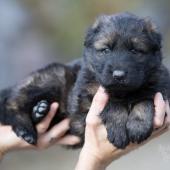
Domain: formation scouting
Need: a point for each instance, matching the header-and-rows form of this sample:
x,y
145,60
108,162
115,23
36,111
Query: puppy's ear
x,y
102,19
95,28
153,32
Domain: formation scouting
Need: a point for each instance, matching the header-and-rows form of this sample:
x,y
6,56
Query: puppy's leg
x,y
16,111
115,117
77,128
23,127
46,84
140,121
10,114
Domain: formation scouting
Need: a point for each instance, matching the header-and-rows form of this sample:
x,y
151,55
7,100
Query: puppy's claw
x,y
28,136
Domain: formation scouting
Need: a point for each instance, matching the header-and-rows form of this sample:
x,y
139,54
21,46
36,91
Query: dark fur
x,y
122,43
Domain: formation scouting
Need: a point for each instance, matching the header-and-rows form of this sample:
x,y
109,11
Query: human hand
x,y
161,124
97,150
56,135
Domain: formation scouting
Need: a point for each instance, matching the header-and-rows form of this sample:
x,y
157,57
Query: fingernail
x,y
55,105
76,139
159,95
101,89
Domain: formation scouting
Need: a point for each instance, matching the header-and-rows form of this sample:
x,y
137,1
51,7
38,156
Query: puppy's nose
x,y
119,74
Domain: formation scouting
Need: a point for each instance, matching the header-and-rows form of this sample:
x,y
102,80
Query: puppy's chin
x,y
124,86
120,87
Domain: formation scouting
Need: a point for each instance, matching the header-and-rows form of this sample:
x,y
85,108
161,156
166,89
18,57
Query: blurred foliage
x,y
65,21
36,32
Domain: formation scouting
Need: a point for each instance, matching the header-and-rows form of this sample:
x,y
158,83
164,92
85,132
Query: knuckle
x,y
92,122
89,122
99,100
64,125
41,128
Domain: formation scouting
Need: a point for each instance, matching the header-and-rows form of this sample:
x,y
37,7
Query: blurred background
x,y
34,33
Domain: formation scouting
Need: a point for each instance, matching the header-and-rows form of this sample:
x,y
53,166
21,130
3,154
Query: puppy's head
x,y
122,50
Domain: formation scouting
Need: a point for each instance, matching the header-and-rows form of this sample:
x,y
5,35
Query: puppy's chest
x,y
88,93
128,100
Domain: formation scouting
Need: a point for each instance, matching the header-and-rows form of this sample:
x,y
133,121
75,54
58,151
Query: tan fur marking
x,y
151,26
96,24
139,110
12,105
135,40
139,43
25,82
102,18
92,88
101,43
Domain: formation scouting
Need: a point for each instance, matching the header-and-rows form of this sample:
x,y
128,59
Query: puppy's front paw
x,y
140,122
138,130
29,136
118,137
40,111
114,117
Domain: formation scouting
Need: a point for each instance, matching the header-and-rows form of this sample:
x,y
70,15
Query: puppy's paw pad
x,y
138,130
40,110
28,136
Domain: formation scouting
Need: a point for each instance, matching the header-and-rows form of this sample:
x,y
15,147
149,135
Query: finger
x,y
167,120
99,101
121,152
44,124
69,140
57,131
159,110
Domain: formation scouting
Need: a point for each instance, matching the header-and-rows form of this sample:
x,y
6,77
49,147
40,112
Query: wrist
x,y
89,161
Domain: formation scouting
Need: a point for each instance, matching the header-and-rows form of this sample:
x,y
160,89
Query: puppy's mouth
x,y
120,86
120,83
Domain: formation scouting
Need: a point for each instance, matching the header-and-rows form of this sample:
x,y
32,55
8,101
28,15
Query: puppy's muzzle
x,y
119,75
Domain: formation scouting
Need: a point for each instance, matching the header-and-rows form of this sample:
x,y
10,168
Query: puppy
x,y
122,53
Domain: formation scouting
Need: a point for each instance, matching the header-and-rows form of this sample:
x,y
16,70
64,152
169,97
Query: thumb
x,y
99,102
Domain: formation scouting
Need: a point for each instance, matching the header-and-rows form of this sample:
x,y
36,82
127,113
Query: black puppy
x,y
123,54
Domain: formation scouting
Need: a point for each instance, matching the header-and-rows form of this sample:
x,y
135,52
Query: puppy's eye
x,y
136,51
105,50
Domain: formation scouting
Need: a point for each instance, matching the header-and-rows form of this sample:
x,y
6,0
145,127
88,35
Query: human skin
x,y
97,152
56,135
